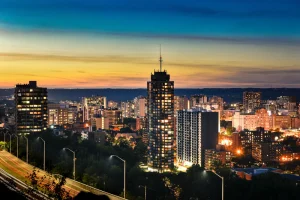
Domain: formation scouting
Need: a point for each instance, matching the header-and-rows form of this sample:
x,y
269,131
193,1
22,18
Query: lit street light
x,y
74,160
44,152
222,181
124,172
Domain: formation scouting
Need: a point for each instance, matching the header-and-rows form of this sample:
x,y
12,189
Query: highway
x,y
20,169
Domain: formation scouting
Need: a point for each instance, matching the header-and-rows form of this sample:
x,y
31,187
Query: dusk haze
x,y
115,44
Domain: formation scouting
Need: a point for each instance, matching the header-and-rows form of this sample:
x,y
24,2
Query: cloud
x,y
84,59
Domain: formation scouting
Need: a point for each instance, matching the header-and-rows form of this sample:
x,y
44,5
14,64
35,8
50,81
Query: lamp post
x,y
74,160
145,187
44,152
124,173
26,148
222,181
17,145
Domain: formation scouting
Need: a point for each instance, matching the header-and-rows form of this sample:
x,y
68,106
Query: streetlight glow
x,y
124,172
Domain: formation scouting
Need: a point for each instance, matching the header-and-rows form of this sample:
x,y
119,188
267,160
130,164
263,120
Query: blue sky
x,y
190,17
246,36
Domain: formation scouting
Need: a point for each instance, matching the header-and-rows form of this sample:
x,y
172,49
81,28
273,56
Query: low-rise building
x,y
218,155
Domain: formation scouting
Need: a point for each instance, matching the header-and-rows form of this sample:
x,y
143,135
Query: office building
x,y
160,121
31,108
197,130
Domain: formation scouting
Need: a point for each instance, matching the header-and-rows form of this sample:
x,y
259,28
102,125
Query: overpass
x,y
17,170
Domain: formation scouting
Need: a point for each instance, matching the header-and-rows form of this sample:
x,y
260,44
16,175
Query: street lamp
x,y
74,159
26,148
124,172
145,190
222,181
44,151
17,145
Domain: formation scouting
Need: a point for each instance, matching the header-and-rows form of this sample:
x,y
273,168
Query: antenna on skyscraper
x,y
160,60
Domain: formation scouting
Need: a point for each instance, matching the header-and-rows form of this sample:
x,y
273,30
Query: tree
x,y
126,130
297,170
141,151
33,178
52,186
175,189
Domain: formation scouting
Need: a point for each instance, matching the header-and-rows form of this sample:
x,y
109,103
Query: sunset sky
x,y
115,43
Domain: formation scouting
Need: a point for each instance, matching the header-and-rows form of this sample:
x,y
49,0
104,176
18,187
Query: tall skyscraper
x,y
251,100
197,130
31,108
160,121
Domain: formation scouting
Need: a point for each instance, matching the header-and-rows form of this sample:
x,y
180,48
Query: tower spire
x,y
160,60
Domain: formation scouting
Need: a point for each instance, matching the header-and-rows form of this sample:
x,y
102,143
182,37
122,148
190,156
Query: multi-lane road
x,y
20,170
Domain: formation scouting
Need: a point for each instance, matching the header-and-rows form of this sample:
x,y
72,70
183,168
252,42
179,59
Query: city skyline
x,y
116,44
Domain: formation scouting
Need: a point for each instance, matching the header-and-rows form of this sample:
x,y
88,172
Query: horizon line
x,y
174,88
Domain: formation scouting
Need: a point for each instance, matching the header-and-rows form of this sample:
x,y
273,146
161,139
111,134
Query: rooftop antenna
x,y
160,60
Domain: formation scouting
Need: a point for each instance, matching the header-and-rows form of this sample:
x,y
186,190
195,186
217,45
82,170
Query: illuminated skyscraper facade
x,y
31,108
160,116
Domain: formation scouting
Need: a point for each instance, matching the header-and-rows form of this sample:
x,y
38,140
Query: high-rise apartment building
x,y
31,108
251,100
197,130
61,114
140,106
128,109
160,121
